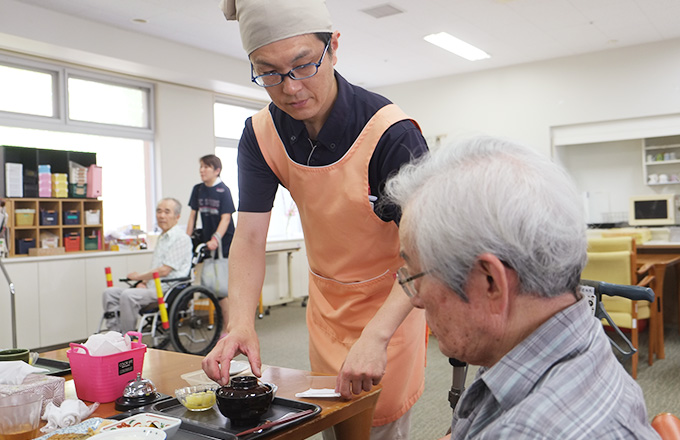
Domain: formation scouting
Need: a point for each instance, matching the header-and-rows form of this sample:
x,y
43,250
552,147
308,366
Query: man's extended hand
x,y
364,367
216,363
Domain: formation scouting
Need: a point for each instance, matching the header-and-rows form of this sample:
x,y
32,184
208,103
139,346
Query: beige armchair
x,y
613,260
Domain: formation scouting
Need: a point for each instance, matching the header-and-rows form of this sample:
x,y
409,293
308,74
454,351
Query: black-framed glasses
x,y
300,72
406,280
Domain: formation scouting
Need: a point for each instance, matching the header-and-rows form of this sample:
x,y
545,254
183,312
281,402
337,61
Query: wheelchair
x,y
194,315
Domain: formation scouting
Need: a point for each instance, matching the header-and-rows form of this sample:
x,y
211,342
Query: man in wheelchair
x,y
171,259
494,239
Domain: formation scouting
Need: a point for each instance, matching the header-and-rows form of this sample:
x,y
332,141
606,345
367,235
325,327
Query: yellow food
x,y
204,399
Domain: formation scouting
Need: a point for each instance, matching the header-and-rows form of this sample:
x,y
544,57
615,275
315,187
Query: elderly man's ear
x,y
496,284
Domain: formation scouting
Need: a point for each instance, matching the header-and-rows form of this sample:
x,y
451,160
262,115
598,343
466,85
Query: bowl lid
x,y
244,386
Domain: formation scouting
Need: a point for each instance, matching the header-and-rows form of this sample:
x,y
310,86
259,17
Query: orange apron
x,y
353,257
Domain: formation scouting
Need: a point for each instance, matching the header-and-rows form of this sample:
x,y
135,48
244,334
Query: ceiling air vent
x,y
382,11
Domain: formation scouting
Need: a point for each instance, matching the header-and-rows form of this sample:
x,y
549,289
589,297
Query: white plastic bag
x,y
215,275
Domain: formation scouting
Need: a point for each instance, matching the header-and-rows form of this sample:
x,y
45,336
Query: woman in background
x,y
212,199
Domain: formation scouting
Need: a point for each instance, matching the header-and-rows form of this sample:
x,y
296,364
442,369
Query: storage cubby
x,y
64,219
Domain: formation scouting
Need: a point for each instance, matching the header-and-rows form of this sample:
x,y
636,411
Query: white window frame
x,y
61,122
57,101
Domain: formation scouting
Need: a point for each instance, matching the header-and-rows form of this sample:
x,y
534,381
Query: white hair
x,y
177,206
489,195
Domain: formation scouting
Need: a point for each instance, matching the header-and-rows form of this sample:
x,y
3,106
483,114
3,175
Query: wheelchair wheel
x,y
195,320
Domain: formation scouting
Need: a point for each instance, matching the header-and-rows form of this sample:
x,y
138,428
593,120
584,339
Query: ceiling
x,y
375,52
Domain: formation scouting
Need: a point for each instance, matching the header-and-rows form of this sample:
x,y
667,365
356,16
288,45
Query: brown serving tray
x,y
212,424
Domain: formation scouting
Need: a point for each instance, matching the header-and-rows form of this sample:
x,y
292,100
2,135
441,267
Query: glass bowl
x,y
197,397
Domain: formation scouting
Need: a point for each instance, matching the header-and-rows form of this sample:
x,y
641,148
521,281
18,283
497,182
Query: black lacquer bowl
x,y
244,400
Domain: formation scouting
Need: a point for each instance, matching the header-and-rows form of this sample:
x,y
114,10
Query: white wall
x,y
523,102
184,133
639,85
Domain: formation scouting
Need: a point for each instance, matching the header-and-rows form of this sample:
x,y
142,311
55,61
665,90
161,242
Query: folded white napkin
x,y
70,413
318,392
14,372
104,344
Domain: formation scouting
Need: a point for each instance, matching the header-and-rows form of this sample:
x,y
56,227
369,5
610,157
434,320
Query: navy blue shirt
x,y
212,202
352,109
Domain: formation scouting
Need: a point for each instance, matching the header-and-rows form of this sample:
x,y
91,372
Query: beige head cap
x,y
265,21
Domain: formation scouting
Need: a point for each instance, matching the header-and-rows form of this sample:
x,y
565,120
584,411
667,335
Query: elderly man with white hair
x,y
494,239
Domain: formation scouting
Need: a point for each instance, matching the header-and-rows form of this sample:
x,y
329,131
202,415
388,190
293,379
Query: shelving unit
x,y
661,157
60,229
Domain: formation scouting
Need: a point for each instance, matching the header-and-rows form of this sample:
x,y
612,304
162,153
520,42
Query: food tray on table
x,y
54,367
211,423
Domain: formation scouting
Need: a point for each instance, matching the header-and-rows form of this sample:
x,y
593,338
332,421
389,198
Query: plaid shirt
x,y
173,249
561,382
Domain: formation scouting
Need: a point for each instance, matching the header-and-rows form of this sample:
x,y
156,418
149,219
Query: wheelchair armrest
x,y
131,283
173,280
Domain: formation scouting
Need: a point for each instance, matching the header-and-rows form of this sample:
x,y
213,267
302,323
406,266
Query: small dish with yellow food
x,y
197,397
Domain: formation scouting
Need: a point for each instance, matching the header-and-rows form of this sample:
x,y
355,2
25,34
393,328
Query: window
x,y
230,120
107,115
120,105
229,123
26,91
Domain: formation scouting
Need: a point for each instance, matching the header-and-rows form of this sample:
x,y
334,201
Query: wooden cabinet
x,y
76,223
59,298
661,159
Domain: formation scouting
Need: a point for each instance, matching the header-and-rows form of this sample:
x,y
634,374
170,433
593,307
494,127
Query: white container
x,y
14,180
92,217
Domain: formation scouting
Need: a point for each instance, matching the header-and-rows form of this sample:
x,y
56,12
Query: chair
x,y
613,260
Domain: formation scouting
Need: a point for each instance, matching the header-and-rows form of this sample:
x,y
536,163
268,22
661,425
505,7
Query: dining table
x,y
350,419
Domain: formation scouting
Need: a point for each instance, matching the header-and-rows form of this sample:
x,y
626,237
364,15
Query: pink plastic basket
x,y
103,378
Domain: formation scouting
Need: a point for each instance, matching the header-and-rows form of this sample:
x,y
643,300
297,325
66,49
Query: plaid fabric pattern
x,y
562,382
173,249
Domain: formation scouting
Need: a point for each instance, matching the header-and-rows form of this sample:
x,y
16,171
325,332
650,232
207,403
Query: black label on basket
x,y
126,366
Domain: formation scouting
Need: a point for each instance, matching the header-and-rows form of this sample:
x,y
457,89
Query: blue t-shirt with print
x,y
212,202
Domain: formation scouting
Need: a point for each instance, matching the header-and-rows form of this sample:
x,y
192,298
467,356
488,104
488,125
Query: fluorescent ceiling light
x,y
459,47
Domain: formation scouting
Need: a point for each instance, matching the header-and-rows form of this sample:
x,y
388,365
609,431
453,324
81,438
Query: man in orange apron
x,y
332,145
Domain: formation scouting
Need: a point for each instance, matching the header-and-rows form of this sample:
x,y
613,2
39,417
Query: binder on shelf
x,y
94,182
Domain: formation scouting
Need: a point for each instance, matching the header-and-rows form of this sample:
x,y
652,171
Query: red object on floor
x,y
667,425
